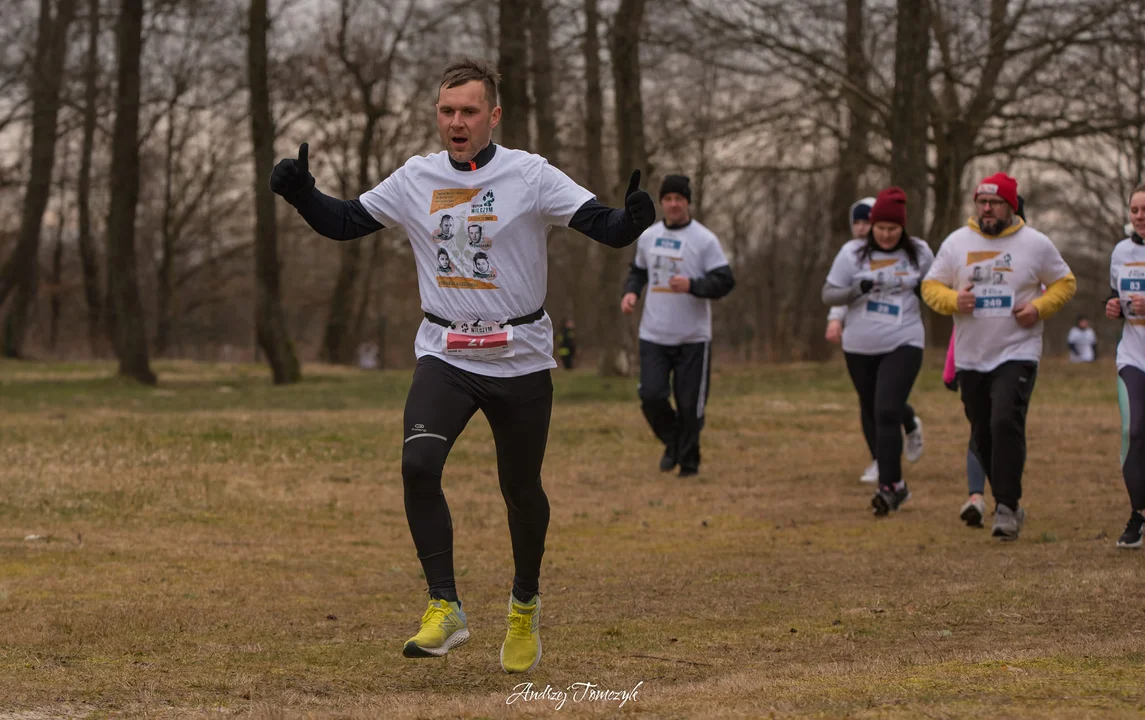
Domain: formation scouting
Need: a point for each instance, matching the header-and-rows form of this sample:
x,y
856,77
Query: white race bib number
x,y
885,310
993,302
479,342
1130,282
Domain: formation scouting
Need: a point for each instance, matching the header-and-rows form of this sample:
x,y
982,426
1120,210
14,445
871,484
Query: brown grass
x,y
221,547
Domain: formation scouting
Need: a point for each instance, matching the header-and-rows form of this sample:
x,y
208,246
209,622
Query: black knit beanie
x,y
676,184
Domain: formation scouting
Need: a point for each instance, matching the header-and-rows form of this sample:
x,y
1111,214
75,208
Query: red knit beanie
x,y
1002,185
890,206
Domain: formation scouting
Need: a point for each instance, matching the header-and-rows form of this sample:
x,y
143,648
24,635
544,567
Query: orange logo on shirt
x,y
451,197
880,264
982,256
464,283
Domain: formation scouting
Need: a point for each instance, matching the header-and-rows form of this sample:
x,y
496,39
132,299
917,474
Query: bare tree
x,y
126,320
513,64
909,109
374,64
624,41
21,271
89,261
270,325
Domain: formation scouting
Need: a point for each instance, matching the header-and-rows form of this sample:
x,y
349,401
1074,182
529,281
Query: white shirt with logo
x,y
1127,277
1006,272
888,317
479,243
1083,341
672,318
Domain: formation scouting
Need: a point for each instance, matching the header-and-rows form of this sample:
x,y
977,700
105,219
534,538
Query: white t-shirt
x,y
888,316
495,264
1006,272
1127,277
1083,342
672,318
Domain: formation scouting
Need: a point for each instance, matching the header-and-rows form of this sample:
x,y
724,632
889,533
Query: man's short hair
x,y
469,69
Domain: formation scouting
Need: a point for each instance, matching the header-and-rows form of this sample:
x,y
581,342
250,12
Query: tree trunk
x,y
270,324
625,44
126,324
594,152
853,153
165,275
22,268
88,259
336,345
57,283
514,66
910,110
548,142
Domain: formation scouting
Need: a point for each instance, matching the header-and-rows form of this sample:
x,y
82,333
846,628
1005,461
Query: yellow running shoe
x,y
522,648
443,627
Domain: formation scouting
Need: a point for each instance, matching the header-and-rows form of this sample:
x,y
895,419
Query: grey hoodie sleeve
x,y
834,295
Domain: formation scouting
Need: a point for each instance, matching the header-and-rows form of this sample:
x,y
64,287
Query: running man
x,y
1127,301
683,263
883,334
911,423
485,343
973,511
998,330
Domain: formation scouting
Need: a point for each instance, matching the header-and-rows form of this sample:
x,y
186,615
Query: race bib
x,y
991,301
479,341
885,310
1130,281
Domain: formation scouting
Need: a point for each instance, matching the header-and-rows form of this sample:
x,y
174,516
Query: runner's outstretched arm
x,y
714,284
637,279
330,217
614,227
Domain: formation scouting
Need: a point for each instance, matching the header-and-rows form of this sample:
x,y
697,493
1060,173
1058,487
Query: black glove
x,y
952,386
865,286
291,178
638,205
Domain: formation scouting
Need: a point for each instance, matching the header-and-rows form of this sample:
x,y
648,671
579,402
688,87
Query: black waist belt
x,y
523,320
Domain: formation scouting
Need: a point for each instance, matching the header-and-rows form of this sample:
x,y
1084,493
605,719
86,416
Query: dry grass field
x,y
219,547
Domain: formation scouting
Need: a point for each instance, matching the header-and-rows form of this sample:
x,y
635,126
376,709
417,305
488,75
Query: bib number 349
x,y
995,304
479,342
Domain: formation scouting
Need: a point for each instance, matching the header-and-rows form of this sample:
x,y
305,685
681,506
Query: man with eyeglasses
x,y
998,326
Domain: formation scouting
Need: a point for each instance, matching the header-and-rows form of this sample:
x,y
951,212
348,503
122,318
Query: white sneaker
x,y
913,445
871,474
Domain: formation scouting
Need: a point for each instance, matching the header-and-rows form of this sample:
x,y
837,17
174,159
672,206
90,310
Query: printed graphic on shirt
x,y
483,211
470,267
1129,279
990,273
666,261
446,229
477,237
892,278
451,197
444,262
483,267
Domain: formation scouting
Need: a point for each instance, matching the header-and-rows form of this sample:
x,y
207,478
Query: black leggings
x,y
439,405
1131,397
884,383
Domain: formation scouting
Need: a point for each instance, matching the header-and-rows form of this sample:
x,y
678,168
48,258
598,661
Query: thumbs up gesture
x,y
291,177
638,205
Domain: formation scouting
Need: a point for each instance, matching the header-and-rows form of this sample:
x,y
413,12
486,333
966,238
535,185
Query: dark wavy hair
x,y
905,243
